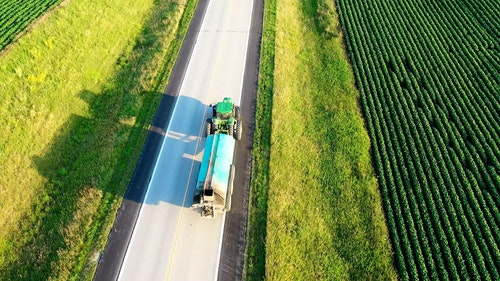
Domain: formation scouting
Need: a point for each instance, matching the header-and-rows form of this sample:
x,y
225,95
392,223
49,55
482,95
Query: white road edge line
x,y
147,191
160,152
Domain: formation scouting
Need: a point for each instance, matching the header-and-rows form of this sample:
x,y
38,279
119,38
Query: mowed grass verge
x,y
255,251
77,96
324,214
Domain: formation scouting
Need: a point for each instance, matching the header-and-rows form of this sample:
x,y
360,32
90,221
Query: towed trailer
x,y
215,179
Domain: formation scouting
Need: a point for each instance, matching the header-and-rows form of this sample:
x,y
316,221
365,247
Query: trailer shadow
x,y
85,167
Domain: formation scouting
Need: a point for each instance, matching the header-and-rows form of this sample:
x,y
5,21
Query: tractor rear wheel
x,y
239,130
209,127
230,129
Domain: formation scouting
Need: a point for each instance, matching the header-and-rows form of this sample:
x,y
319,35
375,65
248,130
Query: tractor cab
x,y
225,119
224,109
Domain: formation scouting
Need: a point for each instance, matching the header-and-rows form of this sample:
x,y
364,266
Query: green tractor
x,y
225,119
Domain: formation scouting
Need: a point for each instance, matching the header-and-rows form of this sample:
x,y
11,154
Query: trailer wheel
x,y
229,193
228,202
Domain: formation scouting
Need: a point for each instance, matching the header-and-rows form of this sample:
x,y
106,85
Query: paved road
x,y
170,241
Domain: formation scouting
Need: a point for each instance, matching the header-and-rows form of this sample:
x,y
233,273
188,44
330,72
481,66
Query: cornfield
x,y
15,16
428,73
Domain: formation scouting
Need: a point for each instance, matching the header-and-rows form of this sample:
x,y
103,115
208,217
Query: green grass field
x,y
77,95
324,215
255,252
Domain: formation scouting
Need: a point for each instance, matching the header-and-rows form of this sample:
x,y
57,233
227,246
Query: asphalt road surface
x,y
170,241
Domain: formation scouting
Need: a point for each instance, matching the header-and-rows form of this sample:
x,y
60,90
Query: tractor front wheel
x,y
237,113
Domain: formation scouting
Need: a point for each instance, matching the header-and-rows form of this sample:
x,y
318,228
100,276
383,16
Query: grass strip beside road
x,y
77,96
324,214
255,255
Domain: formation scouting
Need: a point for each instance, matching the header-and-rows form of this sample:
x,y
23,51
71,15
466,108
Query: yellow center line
x,y
200,132
200,136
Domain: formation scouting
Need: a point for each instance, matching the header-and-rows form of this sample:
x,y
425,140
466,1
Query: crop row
x,y
429,73
15,16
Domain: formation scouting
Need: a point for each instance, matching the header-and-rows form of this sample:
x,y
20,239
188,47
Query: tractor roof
x,y
225,106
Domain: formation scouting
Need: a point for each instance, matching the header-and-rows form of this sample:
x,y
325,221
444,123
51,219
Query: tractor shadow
x,y
85,164
175,169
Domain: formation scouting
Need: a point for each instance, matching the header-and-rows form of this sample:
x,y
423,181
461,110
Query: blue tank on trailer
x,y
215,179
